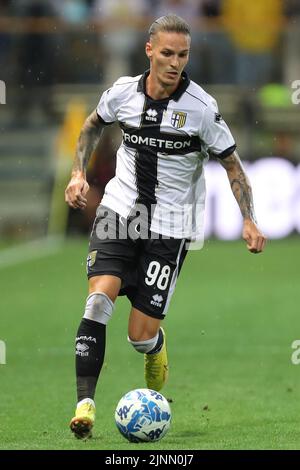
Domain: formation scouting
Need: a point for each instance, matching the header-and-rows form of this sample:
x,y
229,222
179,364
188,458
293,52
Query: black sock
x,y
90,350
159,343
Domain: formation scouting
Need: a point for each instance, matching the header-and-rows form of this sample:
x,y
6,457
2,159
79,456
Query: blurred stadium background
x,y
56,57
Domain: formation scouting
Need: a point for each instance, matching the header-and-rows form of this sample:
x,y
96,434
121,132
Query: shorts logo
x,y
91,259
178,119
157,300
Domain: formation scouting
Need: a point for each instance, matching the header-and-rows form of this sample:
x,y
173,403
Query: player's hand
x,y
253,237
76,191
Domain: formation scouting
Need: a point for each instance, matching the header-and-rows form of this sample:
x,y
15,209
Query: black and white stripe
x,y
165,144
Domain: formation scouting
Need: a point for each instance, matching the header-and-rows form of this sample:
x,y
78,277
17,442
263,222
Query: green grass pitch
x,y
230,328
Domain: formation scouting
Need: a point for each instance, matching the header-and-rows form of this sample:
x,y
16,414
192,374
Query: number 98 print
x,y
153,271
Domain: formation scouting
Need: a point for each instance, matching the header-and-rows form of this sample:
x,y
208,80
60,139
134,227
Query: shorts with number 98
x,y
148,266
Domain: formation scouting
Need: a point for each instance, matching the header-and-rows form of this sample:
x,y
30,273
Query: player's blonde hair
x,y
169,24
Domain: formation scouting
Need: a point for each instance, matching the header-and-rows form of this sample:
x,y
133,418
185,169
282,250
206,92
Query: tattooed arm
x,y
89,137
242,192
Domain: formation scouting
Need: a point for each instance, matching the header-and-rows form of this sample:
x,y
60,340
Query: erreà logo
x,y
2,92
82,347
151,115
157,300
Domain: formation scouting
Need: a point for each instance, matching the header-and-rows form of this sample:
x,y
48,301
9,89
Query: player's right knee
x,y
99,308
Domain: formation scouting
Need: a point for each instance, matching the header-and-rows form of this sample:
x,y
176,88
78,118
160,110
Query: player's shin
x,y
90,343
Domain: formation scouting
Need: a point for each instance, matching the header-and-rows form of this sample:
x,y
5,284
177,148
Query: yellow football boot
x,y
82,423
156,367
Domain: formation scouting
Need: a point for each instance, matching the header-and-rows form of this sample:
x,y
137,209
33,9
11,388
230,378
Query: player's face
x,y
168,54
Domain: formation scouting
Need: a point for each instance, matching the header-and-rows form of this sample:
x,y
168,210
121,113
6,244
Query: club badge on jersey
x,y
178,119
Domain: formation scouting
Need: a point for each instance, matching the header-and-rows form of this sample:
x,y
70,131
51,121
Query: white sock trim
x,y
144,346
98,308
102,293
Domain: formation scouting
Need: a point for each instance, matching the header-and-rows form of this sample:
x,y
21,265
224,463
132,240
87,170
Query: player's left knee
x,y
144,346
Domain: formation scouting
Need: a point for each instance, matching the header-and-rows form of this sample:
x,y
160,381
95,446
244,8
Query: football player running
x,y
170,126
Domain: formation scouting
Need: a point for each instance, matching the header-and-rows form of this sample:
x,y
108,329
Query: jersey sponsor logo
x,y
178,119
151,115
162,144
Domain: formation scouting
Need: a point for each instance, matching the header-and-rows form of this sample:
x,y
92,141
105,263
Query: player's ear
x,y
148,49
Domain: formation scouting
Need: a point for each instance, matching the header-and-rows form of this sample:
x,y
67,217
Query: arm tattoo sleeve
x,y
240,185
89,137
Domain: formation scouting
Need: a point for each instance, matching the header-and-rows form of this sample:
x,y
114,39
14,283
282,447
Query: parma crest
x,y
178,119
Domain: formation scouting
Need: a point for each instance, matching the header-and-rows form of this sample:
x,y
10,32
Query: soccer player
x,y
170,125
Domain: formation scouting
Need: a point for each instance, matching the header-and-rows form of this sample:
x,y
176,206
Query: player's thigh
x,y
141,326
158,270
110,255
107,284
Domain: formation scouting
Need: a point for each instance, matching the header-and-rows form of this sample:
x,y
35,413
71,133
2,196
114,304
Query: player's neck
x,y
157,90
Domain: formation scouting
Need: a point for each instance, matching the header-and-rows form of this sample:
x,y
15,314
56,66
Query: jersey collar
x,y
184,83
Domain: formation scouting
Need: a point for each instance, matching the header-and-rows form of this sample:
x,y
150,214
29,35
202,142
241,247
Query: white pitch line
x,y
30,250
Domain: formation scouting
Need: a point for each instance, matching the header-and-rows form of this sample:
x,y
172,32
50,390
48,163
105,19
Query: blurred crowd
x,y
245,43
234,41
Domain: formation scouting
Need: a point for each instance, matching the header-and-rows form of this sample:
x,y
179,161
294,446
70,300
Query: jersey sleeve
x,y
107,106
215,133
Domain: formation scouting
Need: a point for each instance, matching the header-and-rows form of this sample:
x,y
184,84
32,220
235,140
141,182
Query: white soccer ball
x,y
143,415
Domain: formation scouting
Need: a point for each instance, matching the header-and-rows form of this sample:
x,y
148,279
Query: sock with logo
x,y
90,350
159,343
